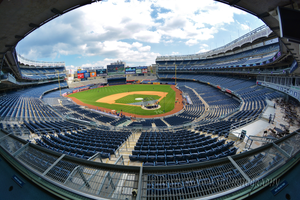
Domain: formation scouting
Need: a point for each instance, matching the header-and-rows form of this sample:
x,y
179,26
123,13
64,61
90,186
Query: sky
x,y
135,32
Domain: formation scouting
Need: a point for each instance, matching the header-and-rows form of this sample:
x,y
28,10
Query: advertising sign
x,y
138,71
80,76
86,75
81,72
141,70
93,74
130,70
101,72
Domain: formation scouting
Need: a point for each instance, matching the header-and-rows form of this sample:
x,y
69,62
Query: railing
x,y
230,177
263,140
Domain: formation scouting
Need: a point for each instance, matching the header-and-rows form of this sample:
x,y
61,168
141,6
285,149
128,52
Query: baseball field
x,y
127,98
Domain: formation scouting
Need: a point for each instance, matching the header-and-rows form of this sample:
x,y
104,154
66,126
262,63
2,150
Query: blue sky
x,y
136,32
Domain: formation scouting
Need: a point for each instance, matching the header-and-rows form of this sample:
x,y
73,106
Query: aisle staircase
x,y
126,149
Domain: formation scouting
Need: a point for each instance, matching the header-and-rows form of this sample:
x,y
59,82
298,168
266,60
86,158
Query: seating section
x,y
148,123
181,147
41,162
244,59
119,121
42,73
75,111
192,184
221,105
178,120
26,104
85,143
220,128
202,182
16,129
52,126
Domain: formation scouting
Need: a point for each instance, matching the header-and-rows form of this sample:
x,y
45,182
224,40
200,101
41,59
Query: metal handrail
x,y
113,177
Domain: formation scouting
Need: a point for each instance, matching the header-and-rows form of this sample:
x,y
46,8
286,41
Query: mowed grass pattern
x,y
131,98
91,96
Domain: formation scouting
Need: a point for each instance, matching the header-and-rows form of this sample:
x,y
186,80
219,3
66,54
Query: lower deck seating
x,y
182,147
85,143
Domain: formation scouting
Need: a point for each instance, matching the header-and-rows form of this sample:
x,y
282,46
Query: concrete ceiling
x,y
18,18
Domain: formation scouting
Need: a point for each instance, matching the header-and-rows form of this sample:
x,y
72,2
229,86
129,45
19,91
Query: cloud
x,y
191,42
203,48
128,30
245,27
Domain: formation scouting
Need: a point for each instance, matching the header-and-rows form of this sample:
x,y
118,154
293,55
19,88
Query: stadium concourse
x,y
237,137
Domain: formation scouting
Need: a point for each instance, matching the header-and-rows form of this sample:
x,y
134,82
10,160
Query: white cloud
x,y
203,48
125,30
167,41
191,42
197,20
245,27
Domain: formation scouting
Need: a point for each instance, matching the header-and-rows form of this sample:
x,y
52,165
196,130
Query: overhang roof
x,y
18,18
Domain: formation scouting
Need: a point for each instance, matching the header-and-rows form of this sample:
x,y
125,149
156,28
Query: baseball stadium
x,y
219,124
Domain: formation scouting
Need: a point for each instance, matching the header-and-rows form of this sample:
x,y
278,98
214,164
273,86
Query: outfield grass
x,y
91,96
131,98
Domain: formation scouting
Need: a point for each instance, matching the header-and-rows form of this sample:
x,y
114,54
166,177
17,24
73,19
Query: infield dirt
x,y
111,99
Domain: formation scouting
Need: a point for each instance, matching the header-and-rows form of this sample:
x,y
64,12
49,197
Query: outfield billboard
x,y
93,74
80,75
130,70
101,72
87,75
81,71
115,69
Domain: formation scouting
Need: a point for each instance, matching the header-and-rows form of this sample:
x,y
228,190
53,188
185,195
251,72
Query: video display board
x,y
93,74
115,69
141,70
138,70
81,75
101,72
130,70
